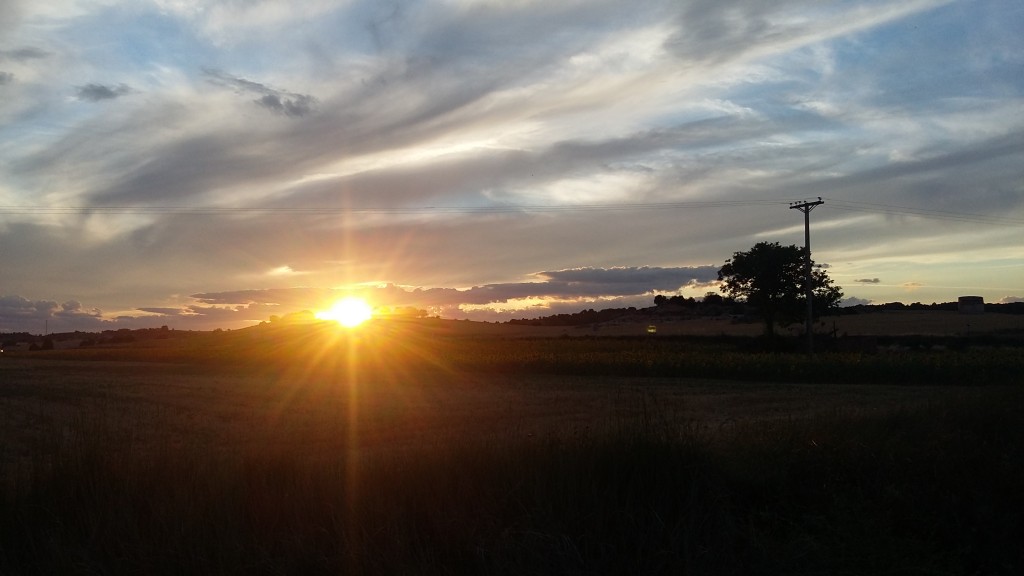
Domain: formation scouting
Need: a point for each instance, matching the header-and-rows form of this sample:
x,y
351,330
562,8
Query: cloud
x,y
212,315
294,105
853,301
10,14
622,281
99,92
301,297
19,55
460,147
18,314
23,54
1011,299
711,32
280,102
72,309
163,311
18,308
568,284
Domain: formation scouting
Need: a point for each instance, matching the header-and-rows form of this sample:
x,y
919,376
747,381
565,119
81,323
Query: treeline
x,y
712,304
996,308
589,316
85,339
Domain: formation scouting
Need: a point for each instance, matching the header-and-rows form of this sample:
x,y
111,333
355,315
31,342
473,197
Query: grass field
x,y
433,453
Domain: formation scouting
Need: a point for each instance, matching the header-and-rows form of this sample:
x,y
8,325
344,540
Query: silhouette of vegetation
x,y
581,318
771,277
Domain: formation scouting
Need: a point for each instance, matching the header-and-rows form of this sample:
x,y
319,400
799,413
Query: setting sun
x,y
348,312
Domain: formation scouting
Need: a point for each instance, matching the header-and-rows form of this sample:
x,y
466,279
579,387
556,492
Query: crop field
x,y
399,451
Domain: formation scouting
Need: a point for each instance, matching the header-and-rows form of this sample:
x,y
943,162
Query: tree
x,y
770,277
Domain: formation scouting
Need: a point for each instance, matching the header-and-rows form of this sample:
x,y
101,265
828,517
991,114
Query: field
x,y
452,448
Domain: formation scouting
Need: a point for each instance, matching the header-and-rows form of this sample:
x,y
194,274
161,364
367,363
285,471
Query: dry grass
x,y
381,454
229,410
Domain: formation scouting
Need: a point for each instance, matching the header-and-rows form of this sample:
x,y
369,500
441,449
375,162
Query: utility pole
x,y
806,208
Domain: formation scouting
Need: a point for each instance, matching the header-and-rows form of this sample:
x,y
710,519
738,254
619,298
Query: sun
x,y
349,312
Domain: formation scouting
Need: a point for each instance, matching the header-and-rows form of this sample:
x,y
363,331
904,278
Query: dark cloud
x,y
6,78
13,308
23,54
286,297
623,281
215,316
99,92
868,280
296,105
278,101
163,311
573,283
72,309
18,314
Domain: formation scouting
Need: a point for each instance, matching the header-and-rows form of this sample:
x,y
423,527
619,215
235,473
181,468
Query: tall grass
x,y
930,490
730,358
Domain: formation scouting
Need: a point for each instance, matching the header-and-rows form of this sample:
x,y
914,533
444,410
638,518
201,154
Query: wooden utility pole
x,y
806,208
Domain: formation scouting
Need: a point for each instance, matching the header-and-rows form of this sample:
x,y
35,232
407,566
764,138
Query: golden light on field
x,y
349,312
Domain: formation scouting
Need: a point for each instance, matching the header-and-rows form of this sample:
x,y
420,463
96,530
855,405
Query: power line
x,y
495,209
849,205
837,204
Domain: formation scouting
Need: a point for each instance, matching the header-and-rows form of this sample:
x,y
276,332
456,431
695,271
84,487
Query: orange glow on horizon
x,y
349,312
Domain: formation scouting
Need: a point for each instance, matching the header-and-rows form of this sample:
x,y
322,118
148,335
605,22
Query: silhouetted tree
x,y
713,299
771,278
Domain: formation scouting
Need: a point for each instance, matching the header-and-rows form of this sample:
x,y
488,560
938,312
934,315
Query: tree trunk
x,y
769,327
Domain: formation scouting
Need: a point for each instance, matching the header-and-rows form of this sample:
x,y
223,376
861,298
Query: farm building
x,y
970,305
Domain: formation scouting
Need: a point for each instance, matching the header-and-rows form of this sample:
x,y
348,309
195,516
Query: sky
x,y
210,164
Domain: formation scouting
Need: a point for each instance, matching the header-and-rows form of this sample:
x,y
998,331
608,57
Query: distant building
x,y
970,305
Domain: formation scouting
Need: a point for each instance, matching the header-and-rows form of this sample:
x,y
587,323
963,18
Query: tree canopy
x,y
771,278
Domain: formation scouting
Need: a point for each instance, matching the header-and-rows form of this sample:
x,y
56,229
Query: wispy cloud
x,y
277,101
